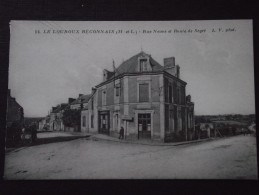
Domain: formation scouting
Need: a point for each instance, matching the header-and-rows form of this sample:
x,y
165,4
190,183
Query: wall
x,y
85,113
14,111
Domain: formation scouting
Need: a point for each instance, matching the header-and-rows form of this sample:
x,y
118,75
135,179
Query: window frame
x,y
148,98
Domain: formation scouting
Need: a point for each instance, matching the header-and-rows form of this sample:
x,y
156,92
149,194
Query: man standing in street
x,y
121,133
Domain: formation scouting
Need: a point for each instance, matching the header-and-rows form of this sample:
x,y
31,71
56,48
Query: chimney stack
x,y
177,71
169,66
188,98
80,95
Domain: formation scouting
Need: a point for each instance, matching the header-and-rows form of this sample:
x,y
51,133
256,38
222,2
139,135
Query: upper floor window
x,y
178,95
143,65
170,93
144,92
182,95
104,97
117,90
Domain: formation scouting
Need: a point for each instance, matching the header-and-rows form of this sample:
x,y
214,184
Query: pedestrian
x,y
121,133
33,132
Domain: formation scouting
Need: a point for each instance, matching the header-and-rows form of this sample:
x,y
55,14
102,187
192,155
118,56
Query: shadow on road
x,y
47,140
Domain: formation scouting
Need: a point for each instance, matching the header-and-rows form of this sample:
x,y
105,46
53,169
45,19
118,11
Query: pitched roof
x,y
81,99
130,65
60,107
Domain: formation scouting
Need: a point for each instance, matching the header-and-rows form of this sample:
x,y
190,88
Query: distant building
x,y
14,120
80,102
14,111
145,98
55,117
85,113
44,124
207,130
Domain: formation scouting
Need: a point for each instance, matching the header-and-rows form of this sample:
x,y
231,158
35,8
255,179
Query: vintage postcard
x,y
131,100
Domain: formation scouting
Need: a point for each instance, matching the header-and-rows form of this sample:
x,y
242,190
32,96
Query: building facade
x,y
145,98
14,111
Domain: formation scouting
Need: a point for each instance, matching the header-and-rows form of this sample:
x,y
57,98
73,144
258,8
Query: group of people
x,y
32,131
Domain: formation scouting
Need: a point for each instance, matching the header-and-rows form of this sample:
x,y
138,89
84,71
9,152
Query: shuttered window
x,y
143,92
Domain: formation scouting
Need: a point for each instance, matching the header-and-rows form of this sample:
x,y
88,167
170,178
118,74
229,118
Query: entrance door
x,y
144,126
104,122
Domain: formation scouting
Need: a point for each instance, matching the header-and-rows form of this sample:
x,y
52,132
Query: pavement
x,y
146,142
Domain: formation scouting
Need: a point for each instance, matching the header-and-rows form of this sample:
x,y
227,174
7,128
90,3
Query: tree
x,y
71,117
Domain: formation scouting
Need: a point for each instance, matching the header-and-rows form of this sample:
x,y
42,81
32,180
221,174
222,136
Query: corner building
x,y
147,99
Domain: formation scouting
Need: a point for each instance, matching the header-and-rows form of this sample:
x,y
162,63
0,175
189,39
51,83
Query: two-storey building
x,y
145,98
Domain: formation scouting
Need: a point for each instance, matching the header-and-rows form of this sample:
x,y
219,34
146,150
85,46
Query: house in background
x,y
207,130
145,98
14,111
86,114
44,124
80,102
56,123
14,120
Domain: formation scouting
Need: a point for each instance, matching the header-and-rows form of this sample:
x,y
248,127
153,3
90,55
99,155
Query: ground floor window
x,y
144,125
92,121
104,122
84,121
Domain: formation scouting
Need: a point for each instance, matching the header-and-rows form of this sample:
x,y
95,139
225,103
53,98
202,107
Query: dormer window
x,y
143,65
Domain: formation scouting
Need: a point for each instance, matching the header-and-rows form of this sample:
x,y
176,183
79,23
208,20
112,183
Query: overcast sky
x,y
48,68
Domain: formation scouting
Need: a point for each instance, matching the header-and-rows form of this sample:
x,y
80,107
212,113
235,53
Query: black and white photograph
x,y
131,100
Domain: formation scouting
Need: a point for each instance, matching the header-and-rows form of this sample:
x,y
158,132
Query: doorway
x,y
144,126
104,122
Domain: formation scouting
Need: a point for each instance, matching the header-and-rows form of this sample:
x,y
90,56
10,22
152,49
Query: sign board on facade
x,y
126,117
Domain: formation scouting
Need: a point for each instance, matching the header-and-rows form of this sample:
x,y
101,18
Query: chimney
x,y
169,65
9,93
70,100
177,71
188,98
80,95
53,108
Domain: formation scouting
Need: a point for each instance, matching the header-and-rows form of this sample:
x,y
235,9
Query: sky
x,y
47,65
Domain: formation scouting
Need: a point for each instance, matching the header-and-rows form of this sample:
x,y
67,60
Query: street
x,y
225,158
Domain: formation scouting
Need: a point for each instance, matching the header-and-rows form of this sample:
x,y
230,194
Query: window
x,y
92,121
174,93
170,93
143,65
84,121
104,98
117,90
178,95
182,95
92,104
144,92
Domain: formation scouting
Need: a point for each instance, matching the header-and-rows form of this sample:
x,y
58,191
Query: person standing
x,y
121,133
34,132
